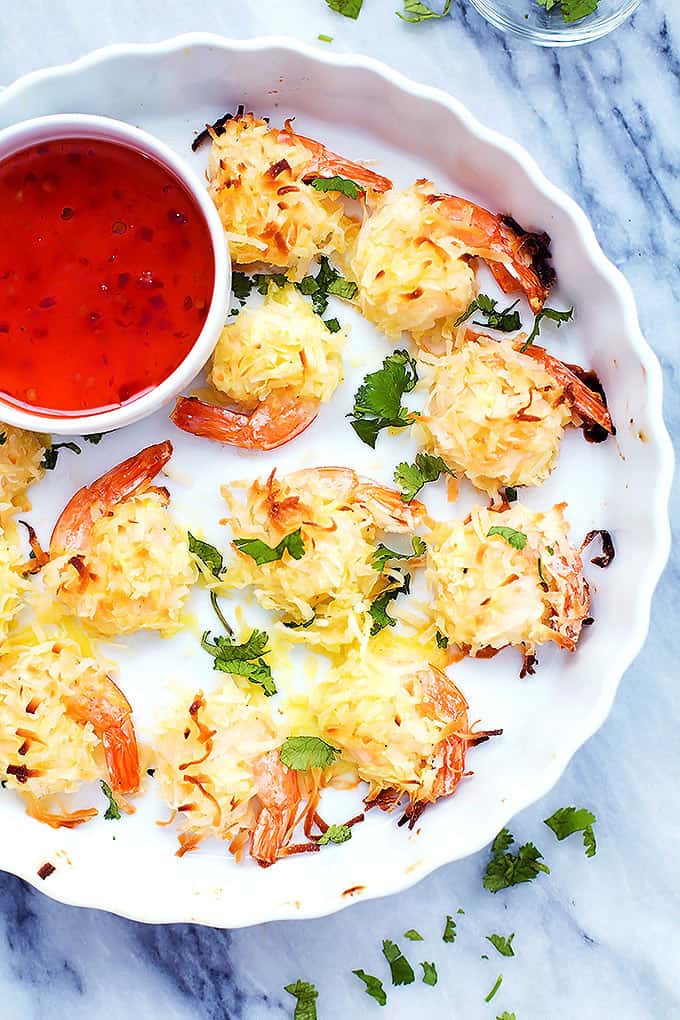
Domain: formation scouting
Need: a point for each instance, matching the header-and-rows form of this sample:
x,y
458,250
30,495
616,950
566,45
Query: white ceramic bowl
x,y
75,125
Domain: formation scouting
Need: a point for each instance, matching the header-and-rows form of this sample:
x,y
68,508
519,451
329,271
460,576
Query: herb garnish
x,y
517,539
3,438
377,402
94,438
416,11
325,38
209,556
242,285
546,313
413,936
327,281
302,753
378,608
335,834
400,968
497,985
429,973
263,553
507,1016
306,994
412,477
510,494
501,944
571,10
348,8
506,320
441,639
113,811
506,869
342,184
568,820
51,455
383,554
449,930
242,659
374,986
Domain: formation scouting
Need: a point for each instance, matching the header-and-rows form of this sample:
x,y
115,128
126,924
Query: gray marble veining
x,y
599,938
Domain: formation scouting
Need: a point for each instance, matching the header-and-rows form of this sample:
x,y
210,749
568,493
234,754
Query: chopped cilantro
x,y
412,477
497,985
539,564
383,554
306,995
501,944
3,438
348,8
506,320
506,869
241,286
302,625
332,325
441,639
263,553
416,11
510,493
377,402
113,811
378,608
94,438
342,184
374,986
429,973
210,557
419,545
325,38
565,821
517,539
413,936
546,313
336,834
571,10
449,930
51,455
400,968
506,1016
151,772
302,753
244,660
550,550
327,281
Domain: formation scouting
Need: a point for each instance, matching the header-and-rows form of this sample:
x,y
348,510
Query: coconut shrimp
x,y
497,414
63,722
13,586
21,455
218,767
276,364
260,181
324,595
400,720
522,586
118,560
412,259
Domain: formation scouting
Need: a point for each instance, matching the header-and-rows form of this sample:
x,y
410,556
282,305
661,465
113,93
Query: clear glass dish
x,y
527,19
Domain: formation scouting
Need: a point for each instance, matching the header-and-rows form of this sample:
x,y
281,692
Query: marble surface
x,y
598,938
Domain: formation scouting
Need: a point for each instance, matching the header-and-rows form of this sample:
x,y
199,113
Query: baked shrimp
x,y
21,455
118,560
218,767
497,414
412,259
274,365
507,577
63,722
260,181
325,587
400,720
13,586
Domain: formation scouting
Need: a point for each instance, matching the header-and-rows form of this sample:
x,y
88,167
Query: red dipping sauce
x,y
106,275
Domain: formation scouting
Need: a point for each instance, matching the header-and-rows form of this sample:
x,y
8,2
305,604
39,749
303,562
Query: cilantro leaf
x,y
506,869
412,477
565,821
51,455
506,1016
241,286
419,545
332,325
209,556
302,753
497,985
336,834
325,38
506,320
3,438
517,539
378,608
377,402
348,8
413,936
546,313
441,639
571,10
242,660
94,438
263,553
510,494
400,968
449,930
302,625
113,811
342,184
501,944
416,11
327,281
374,986
383,554
306,994
429,973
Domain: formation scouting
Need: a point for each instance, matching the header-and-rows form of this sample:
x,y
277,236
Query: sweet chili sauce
x,y
106,275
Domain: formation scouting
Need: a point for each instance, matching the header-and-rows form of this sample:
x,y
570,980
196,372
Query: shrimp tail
x,y
587,404
278,791
325,163
276,421
73,527
122,756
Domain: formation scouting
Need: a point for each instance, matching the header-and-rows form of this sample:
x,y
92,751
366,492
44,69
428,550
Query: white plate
x,y
365,110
